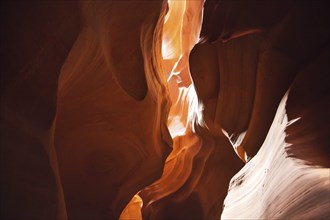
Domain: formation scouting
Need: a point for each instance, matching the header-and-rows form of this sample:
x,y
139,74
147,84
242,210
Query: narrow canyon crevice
x,y
165,109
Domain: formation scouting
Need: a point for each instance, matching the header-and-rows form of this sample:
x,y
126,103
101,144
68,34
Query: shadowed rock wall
x,y
83,79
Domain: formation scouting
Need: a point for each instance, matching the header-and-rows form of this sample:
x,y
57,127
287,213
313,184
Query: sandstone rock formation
x,y
264,51
267,51
103,116
165,109
275,186
201,164
35,41
119,131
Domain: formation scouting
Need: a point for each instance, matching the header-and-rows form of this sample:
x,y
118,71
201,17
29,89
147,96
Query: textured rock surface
x,y
111,134
115,109
197,172
259,58
265,52
107,54
275,186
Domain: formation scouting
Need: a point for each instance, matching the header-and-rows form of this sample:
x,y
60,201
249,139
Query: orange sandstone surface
x,y
178,109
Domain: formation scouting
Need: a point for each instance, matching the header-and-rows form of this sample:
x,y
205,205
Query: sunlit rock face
x,y
197,172
252,59
275,186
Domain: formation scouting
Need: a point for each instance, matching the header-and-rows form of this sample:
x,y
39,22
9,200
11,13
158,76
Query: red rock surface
x,y
165,110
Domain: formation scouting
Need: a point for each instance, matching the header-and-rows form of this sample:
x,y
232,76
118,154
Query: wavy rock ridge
x,y
165,109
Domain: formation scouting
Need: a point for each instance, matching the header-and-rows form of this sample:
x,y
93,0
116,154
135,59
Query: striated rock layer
x,y
83,107
258,59
200,162
165,109
111,136
253,53
275,186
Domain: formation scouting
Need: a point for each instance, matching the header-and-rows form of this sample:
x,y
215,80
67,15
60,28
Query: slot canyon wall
x,y
165,109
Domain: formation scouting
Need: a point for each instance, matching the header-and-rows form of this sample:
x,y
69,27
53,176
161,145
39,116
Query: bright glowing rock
x,y
275,186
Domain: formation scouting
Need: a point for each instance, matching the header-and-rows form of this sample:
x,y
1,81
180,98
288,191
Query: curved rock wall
x,y
253,58
33,52
200,162
165,110
111,135
275,186
107,55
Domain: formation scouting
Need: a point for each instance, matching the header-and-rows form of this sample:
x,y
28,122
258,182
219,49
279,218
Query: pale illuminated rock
x,y
274,186
133,209
259,57
180,192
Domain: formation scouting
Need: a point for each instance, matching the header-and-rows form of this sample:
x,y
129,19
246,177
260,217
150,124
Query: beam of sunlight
x,y
180,33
